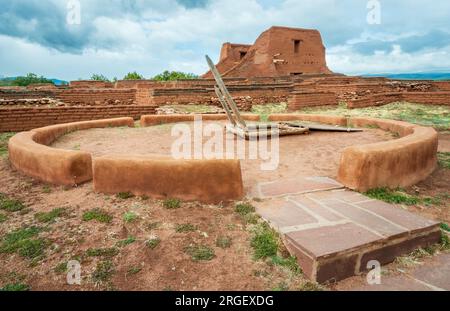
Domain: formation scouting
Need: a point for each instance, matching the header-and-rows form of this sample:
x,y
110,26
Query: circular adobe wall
x,y
398,163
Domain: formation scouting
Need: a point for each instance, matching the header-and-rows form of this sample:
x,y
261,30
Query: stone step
x,y
335,234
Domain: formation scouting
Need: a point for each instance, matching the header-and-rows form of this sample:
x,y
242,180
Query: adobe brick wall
x,y
92,97
29,153
299,100
11,94
396,163
24,119
209,181
278,51
431,98
90,84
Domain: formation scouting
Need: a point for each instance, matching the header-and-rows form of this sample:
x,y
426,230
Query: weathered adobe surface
x,y
398,163
279,51
29,153
24,119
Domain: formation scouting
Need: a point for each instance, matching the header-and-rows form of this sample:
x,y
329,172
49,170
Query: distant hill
x,y
437,76
7,80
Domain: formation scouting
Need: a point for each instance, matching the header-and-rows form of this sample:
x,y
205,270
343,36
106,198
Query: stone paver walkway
x,y
431,276
335,233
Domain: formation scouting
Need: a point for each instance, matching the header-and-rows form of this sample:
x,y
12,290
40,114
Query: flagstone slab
x,y
335,233
288,186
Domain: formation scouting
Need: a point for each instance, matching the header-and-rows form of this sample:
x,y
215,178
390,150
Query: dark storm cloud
x,y
193,3
42,22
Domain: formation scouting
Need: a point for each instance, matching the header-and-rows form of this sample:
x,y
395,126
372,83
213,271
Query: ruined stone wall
x,y
24,119
299,100
90,84
95,97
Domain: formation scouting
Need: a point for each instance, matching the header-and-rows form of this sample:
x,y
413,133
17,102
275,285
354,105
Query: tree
x,y
30,78
99,77
133,76
174,75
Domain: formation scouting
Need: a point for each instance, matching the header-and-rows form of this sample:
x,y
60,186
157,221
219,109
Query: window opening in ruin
x,y
296,46
242,54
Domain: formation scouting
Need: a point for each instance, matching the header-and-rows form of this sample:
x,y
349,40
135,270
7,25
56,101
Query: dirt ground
x,y
168,266
316,154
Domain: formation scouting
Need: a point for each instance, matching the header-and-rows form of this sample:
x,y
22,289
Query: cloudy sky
x,y
118,36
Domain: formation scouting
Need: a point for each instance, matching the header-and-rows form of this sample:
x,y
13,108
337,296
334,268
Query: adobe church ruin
x,y
279,51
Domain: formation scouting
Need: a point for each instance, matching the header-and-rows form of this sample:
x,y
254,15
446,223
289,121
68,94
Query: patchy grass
x,y
10,205
97,214
3,218
125,195
61,267
25,242
445,227
444,159
265,110
251,218
46,189
415,257
183,228
393,196
102,252
309,286
244,209
191,108
126,242
50,216
134,270
427,115
172,204
264,242
103,272
224,242
281,287
153,226
4,139
289,263
153,242
15,287
200,252
130,217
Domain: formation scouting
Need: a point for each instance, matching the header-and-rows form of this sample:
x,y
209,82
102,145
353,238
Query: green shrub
x,y
224,242
153,242
16,287
182,228
264,242
244,209
50,216
125,195
10,205
103,272
392,196
98,215
133,76
126,242
3,218
23,242
130,217
172,204
200,252
102,252
174,75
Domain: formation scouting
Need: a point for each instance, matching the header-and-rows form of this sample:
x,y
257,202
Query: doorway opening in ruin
x,y
242,54
296,73
297,46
